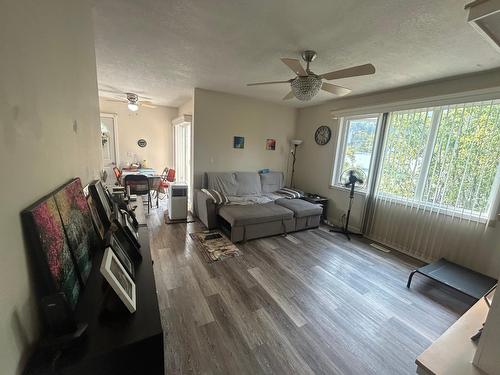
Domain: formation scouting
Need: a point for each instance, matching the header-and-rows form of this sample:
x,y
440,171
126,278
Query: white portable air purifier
x,y
177,201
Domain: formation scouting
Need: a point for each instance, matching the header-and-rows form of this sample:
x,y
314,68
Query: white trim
x,y
341,144
429,149
478,12
114,116
182,119
428,102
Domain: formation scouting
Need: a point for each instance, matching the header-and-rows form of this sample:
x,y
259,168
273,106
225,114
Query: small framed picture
x,y
129,223
128,228
118,278
129,243
117,247
96,218
104,197
238,142
271,144
101,202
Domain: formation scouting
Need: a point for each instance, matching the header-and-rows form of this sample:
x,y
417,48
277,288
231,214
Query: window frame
x,y
341,147
417,199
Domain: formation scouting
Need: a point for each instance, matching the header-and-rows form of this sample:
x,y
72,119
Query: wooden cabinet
x,y
125,344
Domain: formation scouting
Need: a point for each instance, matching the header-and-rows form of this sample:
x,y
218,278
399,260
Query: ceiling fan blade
x,y
267,83
295,65
334,89
115,100
360,70
147,105
288,96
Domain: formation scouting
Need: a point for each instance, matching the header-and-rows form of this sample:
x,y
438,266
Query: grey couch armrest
x,y
206,209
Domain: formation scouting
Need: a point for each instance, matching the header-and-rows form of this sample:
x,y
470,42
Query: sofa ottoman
x,y
307,215
247,222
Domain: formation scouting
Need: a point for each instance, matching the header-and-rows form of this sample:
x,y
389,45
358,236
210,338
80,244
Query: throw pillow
x,y
290,193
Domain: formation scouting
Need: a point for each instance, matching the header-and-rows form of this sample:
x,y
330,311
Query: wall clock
x,y
323,135
142,143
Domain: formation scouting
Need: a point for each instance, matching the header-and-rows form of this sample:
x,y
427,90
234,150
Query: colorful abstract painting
x,y
77,222
54,246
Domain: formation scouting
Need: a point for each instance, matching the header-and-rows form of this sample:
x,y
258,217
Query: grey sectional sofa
x,y
255,209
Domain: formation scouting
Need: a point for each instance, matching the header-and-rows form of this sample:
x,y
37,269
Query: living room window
x,y
443,158
356,145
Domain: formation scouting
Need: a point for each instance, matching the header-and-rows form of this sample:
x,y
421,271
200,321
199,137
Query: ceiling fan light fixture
x,y
133,107
132,101
306,87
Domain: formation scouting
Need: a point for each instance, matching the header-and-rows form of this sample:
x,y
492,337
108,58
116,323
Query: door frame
x,y
114,116
185,119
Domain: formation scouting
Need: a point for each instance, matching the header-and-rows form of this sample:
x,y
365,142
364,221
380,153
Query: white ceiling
x,y
165,48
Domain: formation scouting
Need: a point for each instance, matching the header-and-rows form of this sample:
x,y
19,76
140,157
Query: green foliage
x,y
359,144
407,137
464,159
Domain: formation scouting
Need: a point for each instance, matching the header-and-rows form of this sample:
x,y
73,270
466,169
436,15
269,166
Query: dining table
x,y
153,177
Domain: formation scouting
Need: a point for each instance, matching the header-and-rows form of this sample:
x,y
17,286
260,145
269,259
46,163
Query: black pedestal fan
x,y
350,178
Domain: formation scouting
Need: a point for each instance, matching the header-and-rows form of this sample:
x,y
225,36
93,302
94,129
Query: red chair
x,y
167,177
118,175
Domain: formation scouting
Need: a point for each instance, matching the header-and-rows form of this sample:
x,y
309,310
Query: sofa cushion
x,y
248,183
225,182
271,181
300,207
254,214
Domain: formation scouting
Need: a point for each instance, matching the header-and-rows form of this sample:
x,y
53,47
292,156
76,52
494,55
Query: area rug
x,y
215,246
189,219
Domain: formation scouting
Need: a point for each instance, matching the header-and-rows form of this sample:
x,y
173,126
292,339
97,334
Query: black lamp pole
x,y
293,164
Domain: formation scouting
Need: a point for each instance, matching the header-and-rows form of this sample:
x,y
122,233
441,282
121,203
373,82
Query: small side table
x,y
317,199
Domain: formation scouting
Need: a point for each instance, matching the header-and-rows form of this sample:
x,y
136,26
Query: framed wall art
x,y
119,280
270,144
238,142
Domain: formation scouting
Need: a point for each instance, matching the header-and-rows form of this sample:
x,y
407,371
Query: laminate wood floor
x,y
308,303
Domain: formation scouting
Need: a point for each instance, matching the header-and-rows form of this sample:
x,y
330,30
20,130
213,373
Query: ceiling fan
x,y
132,100
307,84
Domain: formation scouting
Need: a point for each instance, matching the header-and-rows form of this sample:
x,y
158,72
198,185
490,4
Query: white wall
x,y
486,357
315,163
49,133
152,124
218,117
186,109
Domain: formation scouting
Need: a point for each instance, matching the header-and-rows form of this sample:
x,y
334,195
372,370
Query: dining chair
x,y
118,175
139,185
166,178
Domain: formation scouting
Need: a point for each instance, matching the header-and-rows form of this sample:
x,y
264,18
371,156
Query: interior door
x,y
109,147
182,155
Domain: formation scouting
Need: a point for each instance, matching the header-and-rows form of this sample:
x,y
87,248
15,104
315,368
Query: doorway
x,y
182,129
109,146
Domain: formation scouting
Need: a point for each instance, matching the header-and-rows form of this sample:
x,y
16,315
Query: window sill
x,y
358,192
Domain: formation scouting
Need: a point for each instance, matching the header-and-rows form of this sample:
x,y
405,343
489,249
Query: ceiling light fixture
x,y
305,88
306,84
133,107
132,102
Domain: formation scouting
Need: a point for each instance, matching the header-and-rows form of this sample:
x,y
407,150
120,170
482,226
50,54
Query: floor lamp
x,y
294,143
